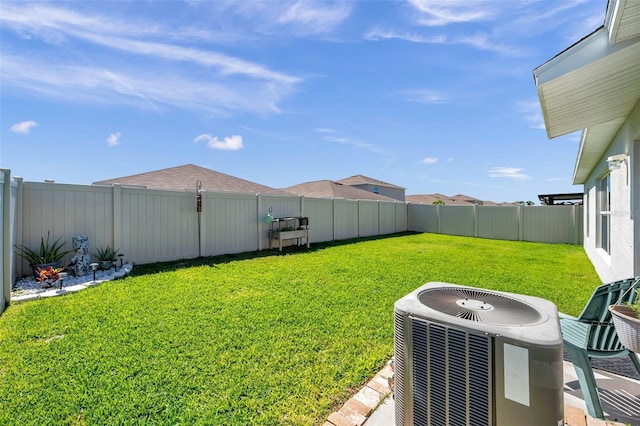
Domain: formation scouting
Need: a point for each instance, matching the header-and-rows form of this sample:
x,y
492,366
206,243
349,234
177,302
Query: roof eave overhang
x,y
588,84
591,86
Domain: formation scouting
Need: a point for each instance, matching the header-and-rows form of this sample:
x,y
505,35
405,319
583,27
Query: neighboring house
x,y
594,86
331,189
435,199
471,200
184,178
454,200
376,186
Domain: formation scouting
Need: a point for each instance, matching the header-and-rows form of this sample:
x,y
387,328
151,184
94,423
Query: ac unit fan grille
x,y
480,306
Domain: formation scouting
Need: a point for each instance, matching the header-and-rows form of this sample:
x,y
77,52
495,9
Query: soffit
x,y
626,21
591,93
595,141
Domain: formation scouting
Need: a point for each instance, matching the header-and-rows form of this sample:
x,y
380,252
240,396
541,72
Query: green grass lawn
x,y
262,339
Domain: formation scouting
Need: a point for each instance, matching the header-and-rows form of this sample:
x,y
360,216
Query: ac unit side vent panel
x,y
451,376
399,372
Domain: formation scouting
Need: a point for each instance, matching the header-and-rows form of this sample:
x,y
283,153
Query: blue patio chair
x,y
593,335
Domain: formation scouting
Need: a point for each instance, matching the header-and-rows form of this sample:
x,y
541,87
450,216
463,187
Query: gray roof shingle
x,y
331,189
183,178
365,180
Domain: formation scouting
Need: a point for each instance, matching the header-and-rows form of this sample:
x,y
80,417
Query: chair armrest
x,y
575,332
562,316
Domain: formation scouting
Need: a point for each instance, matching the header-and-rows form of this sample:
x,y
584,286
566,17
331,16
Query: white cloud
x,y
439,13
378,34
297,17
354,142
429,160
114,139
479,41
134,87
324,130
228,143
426,96
184,76
23,127
508,172
308,17
531,113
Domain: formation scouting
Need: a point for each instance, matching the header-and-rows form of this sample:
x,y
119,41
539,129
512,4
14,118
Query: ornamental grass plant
x,y
254,339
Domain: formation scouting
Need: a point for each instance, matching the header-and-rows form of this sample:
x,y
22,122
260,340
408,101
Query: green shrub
x,y
48,252
104,254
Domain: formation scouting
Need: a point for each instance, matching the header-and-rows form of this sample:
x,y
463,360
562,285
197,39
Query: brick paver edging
x,y
357,409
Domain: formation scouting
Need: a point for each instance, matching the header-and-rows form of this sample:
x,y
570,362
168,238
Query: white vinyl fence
x,y
545,224
154,226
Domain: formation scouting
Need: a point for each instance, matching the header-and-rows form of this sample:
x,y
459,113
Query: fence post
x,y
116,193
475,220
259,221
301,206
520,223
576,222
203,225
6,239
379,216
19,223
438,219
358,218
333,211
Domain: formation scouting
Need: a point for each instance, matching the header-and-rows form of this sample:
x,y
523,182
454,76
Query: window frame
x,y
603,212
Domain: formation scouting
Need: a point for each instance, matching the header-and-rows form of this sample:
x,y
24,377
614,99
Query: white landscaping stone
x,y
29,289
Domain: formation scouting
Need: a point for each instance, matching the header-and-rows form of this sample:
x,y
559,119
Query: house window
x,y
604,213
376,189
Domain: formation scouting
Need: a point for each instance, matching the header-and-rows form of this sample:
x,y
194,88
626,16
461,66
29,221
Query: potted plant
x,y
626,319
105,256
47,254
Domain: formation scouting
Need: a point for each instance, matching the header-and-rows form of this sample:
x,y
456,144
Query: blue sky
x,y
431,96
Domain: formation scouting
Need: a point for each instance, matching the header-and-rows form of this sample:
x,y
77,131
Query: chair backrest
x,y
602,334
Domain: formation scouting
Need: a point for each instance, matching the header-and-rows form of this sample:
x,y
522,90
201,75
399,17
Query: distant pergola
x,y
561,199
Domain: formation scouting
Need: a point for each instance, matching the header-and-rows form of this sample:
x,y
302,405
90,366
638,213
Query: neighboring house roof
x,y
455,200
365,180
468,199
184,178
431,198
331,189
593,85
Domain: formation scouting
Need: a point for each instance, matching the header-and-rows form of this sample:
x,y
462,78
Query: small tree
x,y
438,202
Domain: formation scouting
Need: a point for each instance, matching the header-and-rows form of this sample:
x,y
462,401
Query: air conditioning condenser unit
x,y
470,356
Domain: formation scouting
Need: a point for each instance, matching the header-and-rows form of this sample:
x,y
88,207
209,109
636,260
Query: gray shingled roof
x,y
331,189
430,198
183,178
455,200
365,180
